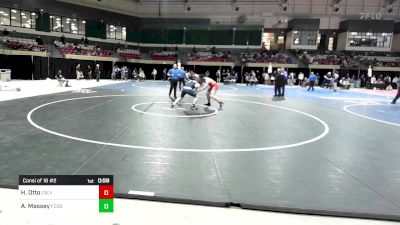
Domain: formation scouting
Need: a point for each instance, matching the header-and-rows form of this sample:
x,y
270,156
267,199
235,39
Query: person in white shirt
x,y
265,77
345,83
114,72
293,75
395,79
373,80
218,74
142,76
300,78
154,73
369,72
79,73
289,79
335,80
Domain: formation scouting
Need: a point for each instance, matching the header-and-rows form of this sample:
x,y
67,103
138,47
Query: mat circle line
x,y
346,108
320,136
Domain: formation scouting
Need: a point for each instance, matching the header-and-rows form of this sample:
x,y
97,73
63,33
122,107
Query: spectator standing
x,y
301,78
115,72
142,76
363,80
97,72
154,73
280,84
394,81
6,32
265,77
79,73
89,72
398,93
164,74
335,80
39,40
290,79
218,74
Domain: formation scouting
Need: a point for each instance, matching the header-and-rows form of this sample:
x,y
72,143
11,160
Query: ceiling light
x,y
33,13
24,17
336,8
83,21
14,11
1,12
13,17
50,16
284,6
5,14
58,19
23,14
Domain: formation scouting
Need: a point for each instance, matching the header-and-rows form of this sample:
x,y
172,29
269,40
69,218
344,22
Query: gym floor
x,y
321,152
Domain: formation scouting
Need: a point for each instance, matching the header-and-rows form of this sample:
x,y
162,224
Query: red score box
x,y
106,192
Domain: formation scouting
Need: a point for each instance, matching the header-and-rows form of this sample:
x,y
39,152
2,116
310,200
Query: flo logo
x,y
370,16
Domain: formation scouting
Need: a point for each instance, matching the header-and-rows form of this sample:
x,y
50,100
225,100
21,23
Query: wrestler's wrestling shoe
x,y
220,105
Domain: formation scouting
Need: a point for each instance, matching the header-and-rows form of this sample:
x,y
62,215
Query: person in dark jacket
x,y
398,92
97,72
280,84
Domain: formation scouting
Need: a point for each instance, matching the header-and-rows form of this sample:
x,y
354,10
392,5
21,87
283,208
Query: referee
x,y
173,76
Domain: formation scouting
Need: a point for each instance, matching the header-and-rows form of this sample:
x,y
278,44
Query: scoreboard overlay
x,y
66,193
